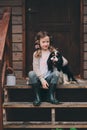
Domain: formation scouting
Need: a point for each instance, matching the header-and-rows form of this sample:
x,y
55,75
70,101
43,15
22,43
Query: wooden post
x,y
53,115
1,111
81,38
3,54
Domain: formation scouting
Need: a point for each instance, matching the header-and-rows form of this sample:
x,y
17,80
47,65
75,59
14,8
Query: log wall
x,y
85,39
18,38
17,33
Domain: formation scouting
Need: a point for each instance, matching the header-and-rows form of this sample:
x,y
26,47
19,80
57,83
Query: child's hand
x,y
45,85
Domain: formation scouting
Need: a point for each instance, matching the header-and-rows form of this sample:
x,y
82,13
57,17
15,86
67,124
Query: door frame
x,y
24,38
81,38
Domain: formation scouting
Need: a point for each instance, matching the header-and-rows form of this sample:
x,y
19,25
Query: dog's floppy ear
x,y
57,49
49,63
59,63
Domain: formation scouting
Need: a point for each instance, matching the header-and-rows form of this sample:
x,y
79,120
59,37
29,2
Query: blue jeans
x,y
51,79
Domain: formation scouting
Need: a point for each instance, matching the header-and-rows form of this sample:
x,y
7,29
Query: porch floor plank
x,y
63,124
22,85
45,105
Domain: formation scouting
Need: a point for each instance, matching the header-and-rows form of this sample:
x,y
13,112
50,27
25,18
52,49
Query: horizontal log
x,y
45,105
17,10
85,28
46,124
85,74
17,56
85,37
85,2
21,84
85,10
85,55
85,19
85,64
17,65
17,29
85,47
10,2
17,47
1,10
18,74
16,37
17,20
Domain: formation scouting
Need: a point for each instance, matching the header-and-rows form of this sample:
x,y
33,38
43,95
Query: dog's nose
x,y
54,57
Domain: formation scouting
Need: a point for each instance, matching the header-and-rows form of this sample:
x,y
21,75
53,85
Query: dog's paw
x,y
66,82
73,82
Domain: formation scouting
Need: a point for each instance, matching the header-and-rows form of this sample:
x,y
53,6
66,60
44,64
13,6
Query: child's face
x,y
44,43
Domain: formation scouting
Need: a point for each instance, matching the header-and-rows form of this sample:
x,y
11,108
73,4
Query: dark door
x,y
62,19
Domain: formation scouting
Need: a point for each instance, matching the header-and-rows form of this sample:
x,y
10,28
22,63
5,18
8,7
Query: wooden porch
x,y
75,103
13,94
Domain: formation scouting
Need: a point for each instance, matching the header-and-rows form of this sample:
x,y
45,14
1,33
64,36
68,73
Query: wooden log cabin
x,y
66,20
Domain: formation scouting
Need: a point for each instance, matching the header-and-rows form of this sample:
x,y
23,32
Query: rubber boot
x,y
37,100
59,129
73,128
51,94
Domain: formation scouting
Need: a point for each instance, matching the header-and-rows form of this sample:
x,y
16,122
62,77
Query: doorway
x,y
61,18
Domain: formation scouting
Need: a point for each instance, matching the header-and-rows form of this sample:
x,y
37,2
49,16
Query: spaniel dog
x,y
56,60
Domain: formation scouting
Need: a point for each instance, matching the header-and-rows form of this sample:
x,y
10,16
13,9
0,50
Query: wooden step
x,y
15,124
22,85
45,105
69,86
18,87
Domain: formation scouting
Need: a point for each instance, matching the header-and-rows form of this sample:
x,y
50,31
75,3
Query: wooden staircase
x,y
5,53
19,111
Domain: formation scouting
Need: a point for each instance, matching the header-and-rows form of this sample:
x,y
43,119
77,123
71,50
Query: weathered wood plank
x,y
85,64
85,2
16,10
17,20
17,65
18,74
21,84
85,74
17,56
17,47
85,37
85,28
59,124
16,37
85,55
1,10
85,19
10,2
45,105
17,29
85,10
85,47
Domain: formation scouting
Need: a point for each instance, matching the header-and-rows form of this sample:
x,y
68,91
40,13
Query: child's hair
x,y
39,35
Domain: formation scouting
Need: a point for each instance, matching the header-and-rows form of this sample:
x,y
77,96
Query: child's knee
x,y
31,74
55,74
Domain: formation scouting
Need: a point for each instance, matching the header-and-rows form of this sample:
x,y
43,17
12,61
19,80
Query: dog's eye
x,y
52,54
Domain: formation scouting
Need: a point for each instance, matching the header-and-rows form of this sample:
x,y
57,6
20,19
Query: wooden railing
x,y
5,53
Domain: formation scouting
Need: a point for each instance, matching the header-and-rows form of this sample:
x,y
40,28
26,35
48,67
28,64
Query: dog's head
x,y
55,59
55,56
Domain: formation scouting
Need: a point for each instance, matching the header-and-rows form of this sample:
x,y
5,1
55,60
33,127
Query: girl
x,y
40,76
